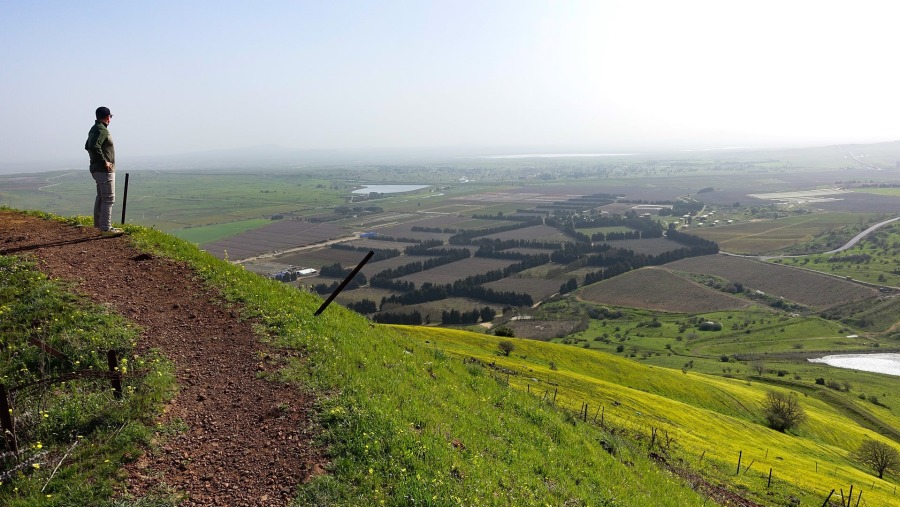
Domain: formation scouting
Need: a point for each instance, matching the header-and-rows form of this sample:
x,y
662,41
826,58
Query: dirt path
x,y
248,441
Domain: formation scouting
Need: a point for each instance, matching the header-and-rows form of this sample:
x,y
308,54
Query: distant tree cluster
x,y
365,307
380,253
501,216
454,316
568,286
383,279
435,230
337,271
461,288
698,245
615,235
466,236
411,319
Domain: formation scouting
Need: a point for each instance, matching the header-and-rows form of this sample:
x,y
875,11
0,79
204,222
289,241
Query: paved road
x,y
861,235
850,244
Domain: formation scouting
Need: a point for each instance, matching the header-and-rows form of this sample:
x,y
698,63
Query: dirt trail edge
x,y
248,441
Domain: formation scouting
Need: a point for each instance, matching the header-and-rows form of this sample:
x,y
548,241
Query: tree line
x,y
380,253
454,316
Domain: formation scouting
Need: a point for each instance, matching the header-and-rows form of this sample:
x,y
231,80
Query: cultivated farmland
x,y
534,233
281,235
658,289
537,288
649,246
449,273
765,236
800,286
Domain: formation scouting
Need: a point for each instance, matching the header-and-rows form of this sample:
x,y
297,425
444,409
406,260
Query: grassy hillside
x,y
423,416
409,395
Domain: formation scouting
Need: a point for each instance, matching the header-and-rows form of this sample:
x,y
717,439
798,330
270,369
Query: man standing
x,y
99,146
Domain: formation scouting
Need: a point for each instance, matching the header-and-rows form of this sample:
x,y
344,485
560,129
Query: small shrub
x,y
506,347
820,381
504,331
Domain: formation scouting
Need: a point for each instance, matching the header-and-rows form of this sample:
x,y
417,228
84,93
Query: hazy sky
x,y
535,75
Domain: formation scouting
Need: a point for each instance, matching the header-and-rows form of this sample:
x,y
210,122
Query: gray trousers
x,y
106,196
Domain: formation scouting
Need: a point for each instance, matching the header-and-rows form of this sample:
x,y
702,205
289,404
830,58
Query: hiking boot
x,y
112,231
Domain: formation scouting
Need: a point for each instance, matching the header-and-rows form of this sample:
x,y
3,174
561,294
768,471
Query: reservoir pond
x,y
389,189
877,363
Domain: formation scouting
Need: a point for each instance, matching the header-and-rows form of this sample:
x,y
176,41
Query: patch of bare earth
x,y
248,440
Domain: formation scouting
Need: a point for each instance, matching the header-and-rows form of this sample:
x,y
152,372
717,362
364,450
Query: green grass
x,y
875,259
427,416
408,421
78,424
407,424
769,236
209,233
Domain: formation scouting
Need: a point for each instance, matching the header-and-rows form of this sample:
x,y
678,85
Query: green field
x,y
209,233
440,417
702,414
770,236
875,259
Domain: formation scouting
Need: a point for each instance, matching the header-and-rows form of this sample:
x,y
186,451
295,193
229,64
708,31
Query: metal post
x,y
344,283
115,376
6,421
125,199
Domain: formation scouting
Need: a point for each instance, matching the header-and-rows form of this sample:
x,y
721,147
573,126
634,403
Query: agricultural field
x,y
658,289
543,330
649,246
875,259
807,288
537,288
372,268
317,257
770,236
204,234
431,311
533,233
281,235
449,273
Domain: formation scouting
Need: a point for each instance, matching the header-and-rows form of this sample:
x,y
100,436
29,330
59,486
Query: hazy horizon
x,y
489,79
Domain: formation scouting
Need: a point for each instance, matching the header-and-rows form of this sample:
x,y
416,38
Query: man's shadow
x,y
26,248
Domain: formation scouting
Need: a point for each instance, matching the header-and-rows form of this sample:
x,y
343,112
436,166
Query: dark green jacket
x,y
99,146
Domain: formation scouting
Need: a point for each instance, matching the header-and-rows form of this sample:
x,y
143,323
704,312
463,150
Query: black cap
x,y
102,112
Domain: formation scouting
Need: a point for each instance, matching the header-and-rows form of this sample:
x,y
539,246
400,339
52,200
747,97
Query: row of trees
x,y
411,319
465,237
454,316
380,253
461,288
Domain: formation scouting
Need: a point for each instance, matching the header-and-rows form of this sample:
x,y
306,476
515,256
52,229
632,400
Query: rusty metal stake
x,y
6,421
344,283
125,199
114,375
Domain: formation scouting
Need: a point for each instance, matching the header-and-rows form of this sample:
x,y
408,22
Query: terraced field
x,y
797,285
659,289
